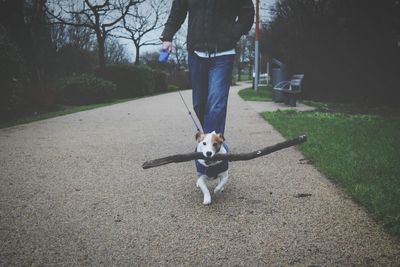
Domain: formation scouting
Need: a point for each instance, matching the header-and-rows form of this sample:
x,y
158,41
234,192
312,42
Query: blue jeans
x,y
211,79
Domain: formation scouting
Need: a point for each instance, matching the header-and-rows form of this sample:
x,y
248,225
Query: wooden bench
x,y
290,89
264,77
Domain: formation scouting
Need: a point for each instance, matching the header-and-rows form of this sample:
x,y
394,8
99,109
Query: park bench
x,y
264,77
290,89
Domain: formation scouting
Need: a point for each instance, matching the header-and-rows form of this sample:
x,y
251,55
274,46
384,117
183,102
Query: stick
x,y
229,156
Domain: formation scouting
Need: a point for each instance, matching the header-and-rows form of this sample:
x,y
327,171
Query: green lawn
x,y
264,94
360,152
244,77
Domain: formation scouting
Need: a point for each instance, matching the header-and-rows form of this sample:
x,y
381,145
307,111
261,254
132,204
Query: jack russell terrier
x,y
211,144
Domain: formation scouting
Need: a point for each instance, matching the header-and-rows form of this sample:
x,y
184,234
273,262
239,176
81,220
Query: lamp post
x,y
257,48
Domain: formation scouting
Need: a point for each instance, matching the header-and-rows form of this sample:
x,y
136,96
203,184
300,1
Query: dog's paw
x,y
219,190
207,200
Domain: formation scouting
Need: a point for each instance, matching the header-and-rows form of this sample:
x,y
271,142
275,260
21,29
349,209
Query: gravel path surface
x,y
73,193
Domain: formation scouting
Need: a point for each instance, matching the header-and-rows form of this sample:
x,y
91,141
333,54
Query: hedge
x,y
14,77
134,81
84,89
180,79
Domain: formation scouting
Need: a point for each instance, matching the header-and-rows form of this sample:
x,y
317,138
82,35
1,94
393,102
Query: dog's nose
x,y
209,153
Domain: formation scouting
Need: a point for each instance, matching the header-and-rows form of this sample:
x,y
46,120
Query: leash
x,y
164,58
190,113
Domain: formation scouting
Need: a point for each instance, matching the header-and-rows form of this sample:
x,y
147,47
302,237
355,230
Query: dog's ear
x,y
199,136
218,138
221,136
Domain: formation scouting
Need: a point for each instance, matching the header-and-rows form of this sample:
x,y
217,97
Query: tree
x,y
78,37
179,53
141,21
245,55
26,27
102,18
76,48
116,53
348,50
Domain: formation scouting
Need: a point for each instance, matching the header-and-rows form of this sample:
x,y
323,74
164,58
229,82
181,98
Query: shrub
x,y
160,81
233,80
131,80
14,77
134,81
172,88
85,89
74,60
180,79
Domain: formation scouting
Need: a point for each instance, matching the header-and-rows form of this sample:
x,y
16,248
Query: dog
x,y
210,144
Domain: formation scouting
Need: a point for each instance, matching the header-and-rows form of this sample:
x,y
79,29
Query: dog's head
x,y
209,144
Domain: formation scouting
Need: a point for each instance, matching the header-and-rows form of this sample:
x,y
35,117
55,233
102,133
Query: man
x,y
214,28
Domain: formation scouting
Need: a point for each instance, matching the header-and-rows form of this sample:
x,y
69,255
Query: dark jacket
x,y
214,25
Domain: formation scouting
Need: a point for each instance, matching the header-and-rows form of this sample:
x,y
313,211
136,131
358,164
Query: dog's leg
x,y
223,178
201,182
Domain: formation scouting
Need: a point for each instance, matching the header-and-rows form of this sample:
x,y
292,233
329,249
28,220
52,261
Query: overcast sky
x,y
264,15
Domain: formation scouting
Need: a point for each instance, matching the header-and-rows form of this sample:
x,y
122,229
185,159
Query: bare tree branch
x,y
230,157
102,17
141,21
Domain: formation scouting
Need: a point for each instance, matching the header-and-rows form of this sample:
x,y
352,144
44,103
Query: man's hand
x,y
167,46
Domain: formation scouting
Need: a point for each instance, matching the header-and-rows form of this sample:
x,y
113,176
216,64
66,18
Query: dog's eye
x,y
204,143
215,144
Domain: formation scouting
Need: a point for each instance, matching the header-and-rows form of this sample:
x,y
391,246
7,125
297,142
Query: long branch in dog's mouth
x,y
230,157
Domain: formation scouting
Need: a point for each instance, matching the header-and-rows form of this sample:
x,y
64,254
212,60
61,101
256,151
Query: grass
x,y
360,152
354,108
264,94
244,77
62,110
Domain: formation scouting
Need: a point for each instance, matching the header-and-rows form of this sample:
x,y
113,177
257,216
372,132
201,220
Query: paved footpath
x,y
73,193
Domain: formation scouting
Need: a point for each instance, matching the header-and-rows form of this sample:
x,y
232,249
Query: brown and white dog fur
x,y
210,144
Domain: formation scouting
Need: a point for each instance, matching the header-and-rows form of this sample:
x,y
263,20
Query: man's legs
x,y
219,81
198,70
211,79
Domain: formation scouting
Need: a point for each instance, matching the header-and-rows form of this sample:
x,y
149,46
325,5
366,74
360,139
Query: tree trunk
x,y
101,50
239,69
137,56
251,70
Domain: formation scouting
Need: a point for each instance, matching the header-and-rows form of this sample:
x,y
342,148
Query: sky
x,y
264,16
